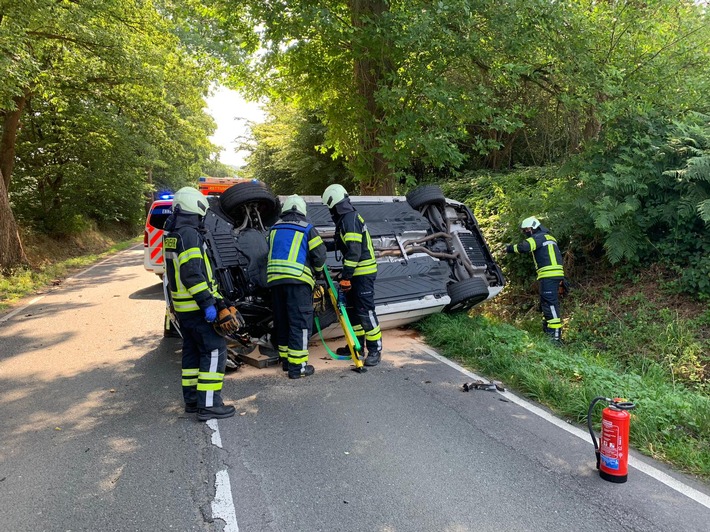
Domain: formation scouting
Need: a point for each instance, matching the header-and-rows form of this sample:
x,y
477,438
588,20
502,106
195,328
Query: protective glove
x,y
564,288
318,299
509,248
211,313
229,321
345,285
237,316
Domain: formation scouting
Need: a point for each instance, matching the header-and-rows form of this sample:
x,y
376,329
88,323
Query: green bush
x,y
646,186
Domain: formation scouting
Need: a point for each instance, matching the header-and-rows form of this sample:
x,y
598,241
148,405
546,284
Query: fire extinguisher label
x,y
609,445
610,463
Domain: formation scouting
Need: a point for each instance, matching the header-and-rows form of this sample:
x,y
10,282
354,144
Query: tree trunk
x,y
10,125
369,73
11,252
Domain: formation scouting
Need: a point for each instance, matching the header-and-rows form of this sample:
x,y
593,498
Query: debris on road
x,y
483,385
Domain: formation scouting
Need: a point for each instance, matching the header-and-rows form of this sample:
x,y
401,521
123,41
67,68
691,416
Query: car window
x,y
159,215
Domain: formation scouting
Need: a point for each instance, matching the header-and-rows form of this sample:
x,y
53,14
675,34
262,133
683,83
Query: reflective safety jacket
x,y
296,251
546,253
190,275
353,241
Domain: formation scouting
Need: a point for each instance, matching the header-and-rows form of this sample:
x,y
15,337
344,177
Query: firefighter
x,y
550,272
357,279
196,301
296,258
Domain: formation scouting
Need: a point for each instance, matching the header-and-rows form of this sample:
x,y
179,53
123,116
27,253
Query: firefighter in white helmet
x,y
296,257
550,272
196,301
357,279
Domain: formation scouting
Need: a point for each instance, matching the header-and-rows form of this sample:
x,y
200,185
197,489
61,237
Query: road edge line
x,y
651,471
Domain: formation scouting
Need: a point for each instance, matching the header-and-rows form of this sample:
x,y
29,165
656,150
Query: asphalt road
x,y
93,438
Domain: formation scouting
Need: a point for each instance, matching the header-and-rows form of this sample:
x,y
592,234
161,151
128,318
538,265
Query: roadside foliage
x,y
98,102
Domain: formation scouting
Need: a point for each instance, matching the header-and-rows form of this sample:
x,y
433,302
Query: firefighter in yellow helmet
x,y
296,258
194,295
357,279
550,272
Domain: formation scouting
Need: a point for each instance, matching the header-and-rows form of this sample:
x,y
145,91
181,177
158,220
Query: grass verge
x,y
671,422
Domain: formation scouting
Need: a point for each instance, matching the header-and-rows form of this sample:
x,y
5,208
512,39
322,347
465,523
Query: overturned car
x,y
431,255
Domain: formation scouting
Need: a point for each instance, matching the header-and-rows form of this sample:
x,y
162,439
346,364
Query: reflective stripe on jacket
x,y
190,275
546,254
296,250
353,240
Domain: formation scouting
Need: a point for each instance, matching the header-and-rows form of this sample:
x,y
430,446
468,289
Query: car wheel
x,y
467,293
235,198
425,196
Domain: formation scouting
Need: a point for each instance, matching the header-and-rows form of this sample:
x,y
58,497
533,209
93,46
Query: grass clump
x,y
671,421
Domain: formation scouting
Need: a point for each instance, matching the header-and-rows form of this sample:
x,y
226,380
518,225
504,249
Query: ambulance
x,y
158,214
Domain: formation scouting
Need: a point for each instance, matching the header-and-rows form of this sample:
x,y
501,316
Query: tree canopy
x,y
102,101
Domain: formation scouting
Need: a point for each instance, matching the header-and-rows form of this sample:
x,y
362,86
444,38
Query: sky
x,y
231,112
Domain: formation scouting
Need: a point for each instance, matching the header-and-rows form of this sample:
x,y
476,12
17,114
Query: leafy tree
x,y
422,87
288,153
215,168
110,103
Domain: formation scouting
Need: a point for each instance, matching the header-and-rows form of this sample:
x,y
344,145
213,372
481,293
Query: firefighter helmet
x,y
190,200
333,195
530,223
294,203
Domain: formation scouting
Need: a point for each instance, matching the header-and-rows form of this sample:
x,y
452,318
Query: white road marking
x,y
18,310
223,504
651,471
216,438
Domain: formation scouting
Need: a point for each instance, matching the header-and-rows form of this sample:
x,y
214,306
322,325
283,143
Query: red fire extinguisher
x,y
613,449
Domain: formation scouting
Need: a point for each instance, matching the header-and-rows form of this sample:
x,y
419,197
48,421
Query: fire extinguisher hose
x,y
589,424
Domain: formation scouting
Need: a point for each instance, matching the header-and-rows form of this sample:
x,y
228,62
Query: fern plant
x,y
649,195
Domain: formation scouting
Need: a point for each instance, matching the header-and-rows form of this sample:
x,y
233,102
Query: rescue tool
x,y
613,448
342,315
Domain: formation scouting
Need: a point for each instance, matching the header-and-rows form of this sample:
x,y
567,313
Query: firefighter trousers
x,y
204,358
360,301
293,320
550,306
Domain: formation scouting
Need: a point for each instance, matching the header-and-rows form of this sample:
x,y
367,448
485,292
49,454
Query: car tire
x,y
425,196
467,293
235,197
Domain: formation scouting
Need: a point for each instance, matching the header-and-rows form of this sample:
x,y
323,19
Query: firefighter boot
x,y
296,371
190,408
556,336
373,358
284,363
215,412
343,351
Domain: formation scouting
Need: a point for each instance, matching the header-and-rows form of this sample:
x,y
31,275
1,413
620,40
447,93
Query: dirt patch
x,y
43,250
